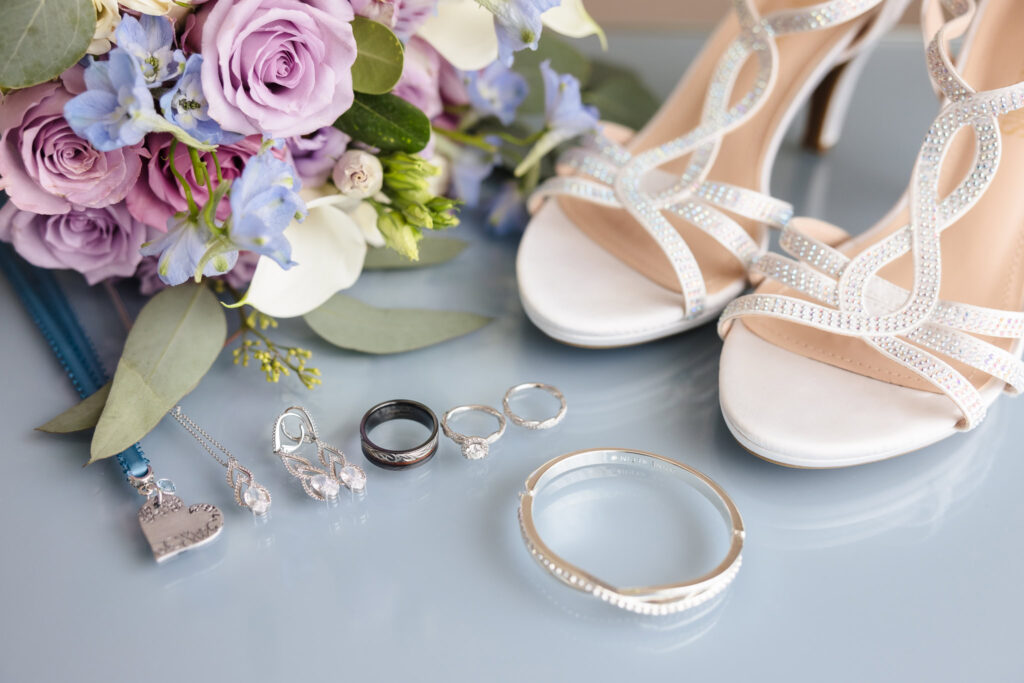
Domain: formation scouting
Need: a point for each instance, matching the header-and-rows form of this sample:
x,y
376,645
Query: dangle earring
x,y
319,483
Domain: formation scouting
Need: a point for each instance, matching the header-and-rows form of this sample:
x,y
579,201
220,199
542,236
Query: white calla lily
x,y
365,217
572,19
329,249
448,28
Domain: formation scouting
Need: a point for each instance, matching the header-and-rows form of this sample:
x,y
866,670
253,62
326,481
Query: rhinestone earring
x,y
320,483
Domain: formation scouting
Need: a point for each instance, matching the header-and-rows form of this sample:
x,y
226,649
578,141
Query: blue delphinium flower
x,y
184,105
469,170
517,23
496,90
565,116
150,40
508,213
182,248
116,109
264,200
564,111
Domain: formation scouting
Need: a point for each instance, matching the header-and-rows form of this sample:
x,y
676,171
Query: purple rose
x,y
98,243
158,196
278,67
382,11
315,155
420,81
45,167
410,15
403,17
148,277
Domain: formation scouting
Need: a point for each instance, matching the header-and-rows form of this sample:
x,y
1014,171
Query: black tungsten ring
x,y
401,409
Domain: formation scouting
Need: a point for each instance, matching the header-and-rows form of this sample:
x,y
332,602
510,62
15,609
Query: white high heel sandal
x,y
905,334
637,244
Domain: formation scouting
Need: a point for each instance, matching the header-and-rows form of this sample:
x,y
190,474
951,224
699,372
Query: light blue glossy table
x,y
908,570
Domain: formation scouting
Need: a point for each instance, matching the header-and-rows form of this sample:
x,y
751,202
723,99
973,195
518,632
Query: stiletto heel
x,y
831,100
829,104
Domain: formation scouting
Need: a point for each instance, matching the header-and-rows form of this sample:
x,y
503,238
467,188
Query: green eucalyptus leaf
x,y
432,252
379,59
619,95
172,344
42,38
387,122
351,324
565,59
83,415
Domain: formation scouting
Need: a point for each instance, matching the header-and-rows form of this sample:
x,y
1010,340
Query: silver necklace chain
x,y
248,492
200,435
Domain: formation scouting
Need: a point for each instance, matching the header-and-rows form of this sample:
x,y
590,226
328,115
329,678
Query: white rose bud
x,y
107,19
358,174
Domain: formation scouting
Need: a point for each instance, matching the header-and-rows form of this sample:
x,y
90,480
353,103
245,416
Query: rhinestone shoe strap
x,y
609,175
849,298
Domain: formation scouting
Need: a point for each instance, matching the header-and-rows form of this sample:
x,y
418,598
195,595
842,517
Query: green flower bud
x,y
418,215
400,236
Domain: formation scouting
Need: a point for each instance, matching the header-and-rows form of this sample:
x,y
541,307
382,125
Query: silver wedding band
x,y
534,424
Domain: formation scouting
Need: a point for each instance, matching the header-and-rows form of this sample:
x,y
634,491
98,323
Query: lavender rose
x,y
158,196
98,243
420,81
278,67
45,167
404,17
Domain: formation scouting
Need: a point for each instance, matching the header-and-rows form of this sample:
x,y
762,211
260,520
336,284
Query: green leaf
x,y
83,415
565,59
42,38
432,252
173,343
619,95
387,122
379,59
351,324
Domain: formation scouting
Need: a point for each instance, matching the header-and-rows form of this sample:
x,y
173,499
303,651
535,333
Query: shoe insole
x,y
982,253
743,154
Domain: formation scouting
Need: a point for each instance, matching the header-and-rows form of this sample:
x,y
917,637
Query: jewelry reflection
x,y
669,384
627,630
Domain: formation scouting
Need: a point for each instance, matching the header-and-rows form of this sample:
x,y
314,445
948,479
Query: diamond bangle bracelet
x,y
647,600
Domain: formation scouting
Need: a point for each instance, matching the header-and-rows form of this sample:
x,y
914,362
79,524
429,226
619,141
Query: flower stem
x,y
520,142
216,165
193,210
465,138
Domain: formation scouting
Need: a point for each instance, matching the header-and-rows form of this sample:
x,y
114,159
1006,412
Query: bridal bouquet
x,y
259,154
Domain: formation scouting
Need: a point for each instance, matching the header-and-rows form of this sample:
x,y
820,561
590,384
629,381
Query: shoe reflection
x,y
911,495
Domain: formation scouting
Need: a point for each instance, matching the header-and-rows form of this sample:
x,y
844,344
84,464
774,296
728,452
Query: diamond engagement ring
x,y
534,424
649,600
399,409
473,447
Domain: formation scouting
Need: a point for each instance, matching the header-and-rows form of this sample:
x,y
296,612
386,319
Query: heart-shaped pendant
x,y
170,528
